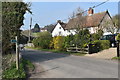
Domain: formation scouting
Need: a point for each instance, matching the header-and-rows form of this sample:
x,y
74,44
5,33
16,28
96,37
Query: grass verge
x,y
13,73
116,58
55,51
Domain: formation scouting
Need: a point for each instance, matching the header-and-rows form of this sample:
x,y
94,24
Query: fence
x,y
76,49
88,50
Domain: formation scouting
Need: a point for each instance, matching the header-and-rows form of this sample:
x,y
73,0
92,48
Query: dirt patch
x,y
105,54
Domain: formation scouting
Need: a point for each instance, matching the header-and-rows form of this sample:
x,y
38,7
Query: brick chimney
x,y
90,11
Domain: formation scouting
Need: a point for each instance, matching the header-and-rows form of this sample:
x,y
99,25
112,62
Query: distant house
x,y
60,29
43,29
94,22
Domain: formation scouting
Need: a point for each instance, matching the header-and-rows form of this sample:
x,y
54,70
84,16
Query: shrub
x,y
100,45
81,38
118,37
43,40
95,36
68,41
58,43
12,72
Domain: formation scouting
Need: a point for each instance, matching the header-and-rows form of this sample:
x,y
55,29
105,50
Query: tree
x,y
109,26
12,20
36,28
77,20
43,40
116,21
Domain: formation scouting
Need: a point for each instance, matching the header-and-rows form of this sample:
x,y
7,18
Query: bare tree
x,y
107,25
116,21
80,19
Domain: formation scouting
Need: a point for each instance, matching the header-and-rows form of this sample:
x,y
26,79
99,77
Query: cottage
x,y
94,21
60,29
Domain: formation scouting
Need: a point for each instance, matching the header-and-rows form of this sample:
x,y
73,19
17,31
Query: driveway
x,y
54,65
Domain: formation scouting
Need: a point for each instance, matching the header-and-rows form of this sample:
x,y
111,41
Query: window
x,y
60,33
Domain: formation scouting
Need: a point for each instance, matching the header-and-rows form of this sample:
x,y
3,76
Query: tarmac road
x,y
54,65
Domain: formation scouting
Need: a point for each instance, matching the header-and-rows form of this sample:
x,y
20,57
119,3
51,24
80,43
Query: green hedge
x,y
43,40
118,37
99,45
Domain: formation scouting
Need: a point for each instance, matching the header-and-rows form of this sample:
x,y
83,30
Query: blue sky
x,y
45,13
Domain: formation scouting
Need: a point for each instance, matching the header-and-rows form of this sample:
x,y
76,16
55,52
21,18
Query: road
x,y
54,65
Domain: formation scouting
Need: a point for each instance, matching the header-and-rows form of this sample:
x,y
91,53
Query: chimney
x,y
90,11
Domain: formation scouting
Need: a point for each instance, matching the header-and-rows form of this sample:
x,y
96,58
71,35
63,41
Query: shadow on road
x,y
40,56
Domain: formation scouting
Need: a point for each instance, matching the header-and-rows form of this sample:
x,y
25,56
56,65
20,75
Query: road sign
x,y
13,41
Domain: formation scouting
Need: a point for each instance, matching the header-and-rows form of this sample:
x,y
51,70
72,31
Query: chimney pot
x,y
90,11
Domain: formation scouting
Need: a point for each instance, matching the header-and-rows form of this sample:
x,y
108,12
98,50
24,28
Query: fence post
x,y
89,48
117,48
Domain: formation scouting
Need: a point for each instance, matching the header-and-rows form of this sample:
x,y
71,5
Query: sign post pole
x,y
17,54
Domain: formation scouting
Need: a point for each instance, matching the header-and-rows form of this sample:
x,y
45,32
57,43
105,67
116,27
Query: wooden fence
x,y
76,49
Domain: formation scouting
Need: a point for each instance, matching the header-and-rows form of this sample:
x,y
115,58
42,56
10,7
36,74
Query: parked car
x,y
111,38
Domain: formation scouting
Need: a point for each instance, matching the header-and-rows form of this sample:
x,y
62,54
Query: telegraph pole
x,y
30,29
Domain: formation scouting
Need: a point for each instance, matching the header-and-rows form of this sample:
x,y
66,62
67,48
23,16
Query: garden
x,y
81,40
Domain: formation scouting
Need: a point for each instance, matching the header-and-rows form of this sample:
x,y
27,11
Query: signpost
x,y
13,41
17,53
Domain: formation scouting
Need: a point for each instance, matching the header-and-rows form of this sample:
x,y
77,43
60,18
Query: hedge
x,y
99,45
43,40
118,37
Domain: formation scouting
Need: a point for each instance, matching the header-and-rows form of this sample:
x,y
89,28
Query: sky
x,y
45,13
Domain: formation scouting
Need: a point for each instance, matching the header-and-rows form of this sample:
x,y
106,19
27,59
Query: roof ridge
x,y
100,12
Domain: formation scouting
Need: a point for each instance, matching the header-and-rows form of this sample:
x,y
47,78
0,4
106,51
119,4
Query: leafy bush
x,y
97,36
99,45
81,38
68,41
118,37
12,72
43,40
58,43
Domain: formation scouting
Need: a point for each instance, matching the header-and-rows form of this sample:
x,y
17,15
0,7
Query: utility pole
x,y
17,54
30,30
